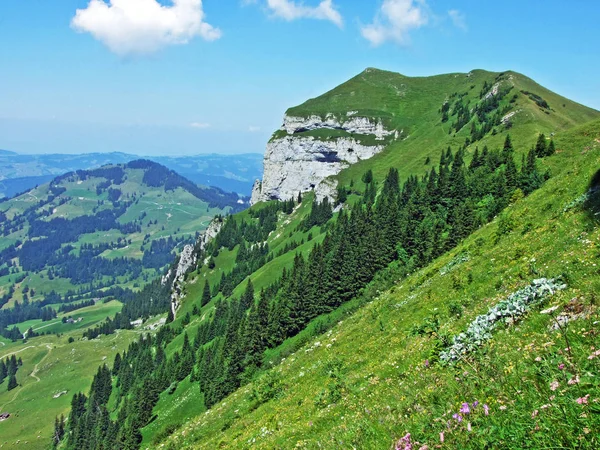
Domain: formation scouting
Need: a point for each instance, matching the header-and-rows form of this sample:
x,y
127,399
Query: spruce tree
x,y
3,371
551,148
540,146
206,296
12,382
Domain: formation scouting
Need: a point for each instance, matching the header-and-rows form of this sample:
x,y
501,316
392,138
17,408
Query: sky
x,y
181,77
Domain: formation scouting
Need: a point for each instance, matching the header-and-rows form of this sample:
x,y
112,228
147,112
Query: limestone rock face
x,y
296,164
356,125
187,260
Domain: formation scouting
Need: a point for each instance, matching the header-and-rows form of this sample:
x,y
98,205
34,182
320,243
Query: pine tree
x,y
59,431
12,382
540,146
3,371
551,148
206,296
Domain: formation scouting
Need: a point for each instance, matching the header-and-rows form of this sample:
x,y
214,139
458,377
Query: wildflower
x,y
426,363
442,437
404,443
583,400
561,366
486,409
465,408
534,414
457,417
538,359
503,407
475,403
574,380
554,385
469,427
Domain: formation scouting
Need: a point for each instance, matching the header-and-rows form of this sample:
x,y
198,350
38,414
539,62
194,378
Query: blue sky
x,y
149,77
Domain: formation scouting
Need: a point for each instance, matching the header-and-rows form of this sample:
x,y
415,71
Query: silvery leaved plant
x,y
507,311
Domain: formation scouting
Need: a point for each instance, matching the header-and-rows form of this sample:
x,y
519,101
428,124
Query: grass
x,y
53,370
383,378
175,213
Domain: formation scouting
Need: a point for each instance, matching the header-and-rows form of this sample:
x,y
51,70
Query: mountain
x,y
93,233
404,209
381,119
232,173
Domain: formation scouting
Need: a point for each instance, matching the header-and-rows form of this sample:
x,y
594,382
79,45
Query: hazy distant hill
x,y
232,173
91,230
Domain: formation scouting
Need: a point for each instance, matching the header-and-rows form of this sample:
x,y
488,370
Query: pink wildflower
x,y
561,366
486,409
469,427
554,385
534,414
404,443
574,380
442,437
583,400
465,408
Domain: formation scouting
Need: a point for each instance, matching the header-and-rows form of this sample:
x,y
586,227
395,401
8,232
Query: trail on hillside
x,y
35,369
32,374
18,351
50,324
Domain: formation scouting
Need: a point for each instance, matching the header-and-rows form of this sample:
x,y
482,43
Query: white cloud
x,y
200,125
395,20
458,19
133,27
292,10
253,129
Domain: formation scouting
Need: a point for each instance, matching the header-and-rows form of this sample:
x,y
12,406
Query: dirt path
x,y
32,374
35,369
50,324
19,351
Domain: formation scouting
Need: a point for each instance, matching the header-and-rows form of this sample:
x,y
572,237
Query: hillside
x,y
381,119
376,375
231,173
322,319
98,234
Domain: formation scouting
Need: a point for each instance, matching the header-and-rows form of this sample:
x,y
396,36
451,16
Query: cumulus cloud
x,y
458,19
292,10
394,21
200,125
133,27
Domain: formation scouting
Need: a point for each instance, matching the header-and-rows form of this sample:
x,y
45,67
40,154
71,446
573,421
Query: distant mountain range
x,y
231,173
113,227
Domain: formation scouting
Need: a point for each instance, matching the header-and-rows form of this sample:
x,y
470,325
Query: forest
x,y
409,224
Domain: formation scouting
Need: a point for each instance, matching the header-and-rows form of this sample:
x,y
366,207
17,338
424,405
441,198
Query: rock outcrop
x,y
187,261
299,163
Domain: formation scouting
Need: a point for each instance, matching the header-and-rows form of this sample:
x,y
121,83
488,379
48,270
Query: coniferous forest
x,y
409,223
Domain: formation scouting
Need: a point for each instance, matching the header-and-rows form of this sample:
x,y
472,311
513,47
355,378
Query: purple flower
x,y
486,409
426,363
457,417
475,404
404,443
465,408
561,366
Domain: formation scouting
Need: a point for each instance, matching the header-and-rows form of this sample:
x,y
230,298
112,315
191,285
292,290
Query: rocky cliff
x,y
187,261
306,152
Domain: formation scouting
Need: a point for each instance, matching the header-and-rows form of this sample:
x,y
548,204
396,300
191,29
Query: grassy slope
x,y
52,365
187,400
177,213
386,389
412,105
